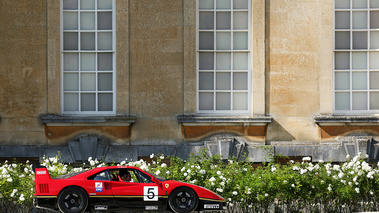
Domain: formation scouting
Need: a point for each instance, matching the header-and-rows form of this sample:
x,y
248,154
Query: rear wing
x,y
42,179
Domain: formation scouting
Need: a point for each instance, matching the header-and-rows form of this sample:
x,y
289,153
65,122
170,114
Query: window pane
x,y
374,100
206,20
359,4
206,101
360,20
223,4
206,81
240,20
206,41
70,4
374,60
70,41
71,62
223,41
206,4
88,61
374,4
223,81
223,20
104,21
240,81
359,80
359,40
104,41
87,4
223,61
374,19
374,80
88,102
105,102
70,21
359,101
342,101
342,81
240,101
105,61
71,102
342,4
88,82
223,101
87,41
240,61
374,40
342,20
359,60
342,40
104,4
240,4
342,60
105,82
71,82
206,61
87,21
240,41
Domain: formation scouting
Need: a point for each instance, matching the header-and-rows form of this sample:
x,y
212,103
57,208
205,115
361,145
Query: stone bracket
x,y
87,146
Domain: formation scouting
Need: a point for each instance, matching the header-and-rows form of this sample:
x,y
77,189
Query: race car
x,y
116,188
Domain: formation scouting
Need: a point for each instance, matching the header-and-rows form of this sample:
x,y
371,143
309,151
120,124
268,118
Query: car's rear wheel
x,y
72,200
183,200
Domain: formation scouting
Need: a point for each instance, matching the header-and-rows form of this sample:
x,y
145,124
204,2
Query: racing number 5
x,y
150,193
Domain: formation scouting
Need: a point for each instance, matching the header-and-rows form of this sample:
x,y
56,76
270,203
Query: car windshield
x,y
69,175
156,176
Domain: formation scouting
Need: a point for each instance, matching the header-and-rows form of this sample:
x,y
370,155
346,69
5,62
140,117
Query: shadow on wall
x,y
275,130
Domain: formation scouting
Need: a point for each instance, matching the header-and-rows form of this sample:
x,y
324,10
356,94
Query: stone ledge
x,y
196,127
202,120
339,120
61,120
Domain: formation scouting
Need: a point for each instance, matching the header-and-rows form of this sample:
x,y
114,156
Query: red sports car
x,y
120,188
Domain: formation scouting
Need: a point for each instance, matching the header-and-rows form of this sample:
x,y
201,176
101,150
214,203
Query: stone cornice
x,y
340,120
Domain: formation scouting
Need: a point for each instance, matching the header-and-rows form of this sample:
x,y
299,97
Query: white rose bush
x,y
293,187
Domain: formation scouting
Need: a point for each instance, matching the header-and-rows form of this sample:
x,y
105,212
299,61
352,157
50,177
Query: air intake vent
x,y
44,188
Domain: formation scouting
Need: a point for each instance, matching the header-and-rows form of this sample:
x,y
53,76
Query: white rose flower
x,y
22,198
235,193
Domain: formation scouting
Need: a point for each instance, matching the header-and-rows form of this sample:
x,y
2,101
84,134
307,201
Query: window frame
x,y
368,70
95,51
231,71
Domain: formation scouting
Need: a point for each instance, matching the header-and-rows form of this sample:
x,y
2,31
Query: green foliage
x,y
351,186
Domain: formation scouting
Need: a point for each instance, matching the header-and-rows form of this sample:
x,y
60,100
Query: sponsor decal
x,y
211,206
150,193
101,207
99,186
151,207
92,194
167,185
41,172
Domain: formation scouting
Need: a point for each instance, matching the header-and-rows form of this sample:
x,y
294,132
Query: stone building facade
x,y
117,79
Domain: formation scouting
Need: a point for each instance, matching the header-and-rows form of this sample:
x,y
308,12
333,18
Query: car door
x,y
141,194
99,188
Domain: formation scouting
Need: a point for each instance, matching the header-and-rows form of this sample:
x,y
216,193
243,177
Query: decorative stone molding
x,y
331,127
196,127
87,146
226,147
59,126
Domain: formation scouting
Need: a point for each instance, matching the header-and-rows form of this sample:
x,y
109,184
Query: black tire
x,y
183,200
72,200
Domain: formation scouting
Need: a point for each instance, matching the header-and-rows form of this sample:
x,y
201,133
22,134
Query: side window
x,y
116,175
100,176
144,178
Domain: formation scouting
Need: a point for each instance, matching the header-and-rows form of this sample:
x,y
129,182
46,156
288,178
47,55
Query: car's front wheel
x,y
183,200
72,200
